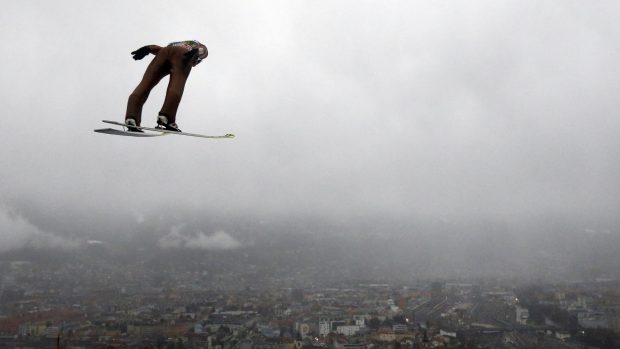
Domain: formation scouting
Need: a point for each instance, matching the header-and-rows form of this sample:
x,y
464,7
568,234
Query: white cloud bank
x,y
17,232
218,241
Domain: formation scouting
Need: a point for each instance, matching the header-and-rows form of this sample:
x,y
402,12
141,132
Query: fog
x,y
490,121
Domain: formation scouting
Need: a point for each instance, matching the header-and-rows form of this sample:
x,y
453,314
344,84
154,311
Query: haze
x,y
497,118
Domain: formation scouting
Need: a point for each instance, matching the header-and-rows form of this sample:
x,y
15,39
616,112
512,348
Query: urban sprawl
x,y
43,311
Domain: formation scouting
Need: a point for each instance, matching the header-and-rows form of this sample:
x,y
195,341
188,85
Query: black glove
x,y
141,52
190,54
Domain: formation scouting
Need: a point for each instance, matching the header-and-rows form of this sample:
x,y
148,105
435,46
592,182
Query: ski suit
x,y
171,60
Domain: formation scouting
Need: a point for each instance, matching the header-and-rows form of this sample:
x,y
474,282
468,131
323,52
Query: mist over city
x,y
405,174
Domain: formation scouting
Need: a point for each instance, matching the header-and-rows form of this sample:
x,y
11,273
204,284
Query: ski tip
x,y
229,135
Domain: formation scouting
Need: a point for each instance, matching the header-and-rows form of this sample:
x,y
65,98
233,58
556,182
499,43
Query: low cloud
x,y
17,232
200,241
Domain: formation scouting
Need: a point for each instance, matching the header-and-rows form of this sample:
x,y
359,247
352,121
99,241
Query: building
x,y
386,334
522,315
614,318
348,330
360,320
450,334
593,319
324,327
400,328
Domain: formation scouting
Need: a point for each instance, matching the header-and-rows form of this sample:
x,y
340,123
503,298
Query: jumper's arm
x,y
145,50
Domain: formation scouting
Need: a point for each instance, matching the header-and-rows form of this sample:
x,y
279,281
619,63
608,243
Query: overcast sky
x,y
443,110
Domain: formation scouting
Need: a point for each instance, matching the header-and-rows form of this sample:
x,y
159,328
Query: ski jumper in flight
x,y
176,60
